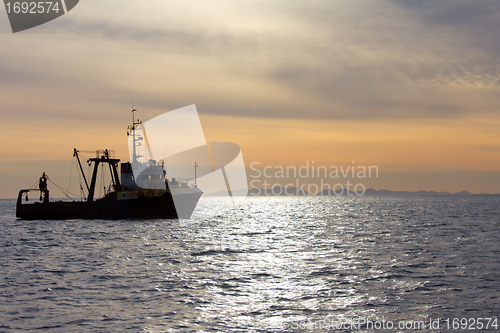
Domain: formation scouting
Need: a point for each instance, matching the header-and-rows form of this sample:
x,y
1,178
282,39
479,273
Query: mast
x,y
134,155
195,166
135,138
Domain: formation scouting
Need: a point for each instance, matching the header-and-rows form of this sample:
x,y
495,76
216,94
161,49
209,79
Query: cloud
x,y
279,59
317,79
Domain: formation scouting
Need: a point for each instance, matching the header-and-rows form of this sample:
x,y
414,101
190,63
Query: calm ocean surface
x,y
267,265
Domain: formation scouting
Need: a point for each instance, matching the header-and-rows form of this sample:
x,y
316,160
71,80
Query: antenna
x,y
195,166
143,116
133,118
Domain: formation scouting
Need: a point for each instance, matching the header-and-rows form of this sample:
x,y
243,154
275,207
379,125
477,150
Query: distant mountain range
x,y
295,191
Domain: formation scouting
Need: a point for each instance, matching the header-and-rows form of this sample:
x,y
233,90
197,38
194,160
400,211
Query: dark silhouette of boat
x,y
167,199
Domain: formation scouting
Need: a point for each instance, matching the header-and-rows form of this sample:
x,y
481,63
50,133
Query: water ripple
x,y
266,263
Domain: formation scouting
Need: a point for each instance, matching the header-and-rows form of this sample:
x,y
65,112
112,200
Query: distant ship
x,y
151,196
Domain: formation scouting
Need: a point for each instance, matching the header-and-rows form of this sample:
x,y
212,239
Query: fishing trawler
x,y
147,195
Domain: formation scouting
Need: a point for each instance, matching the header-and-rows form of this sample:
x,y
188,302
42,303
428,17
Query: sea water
x,y
267,264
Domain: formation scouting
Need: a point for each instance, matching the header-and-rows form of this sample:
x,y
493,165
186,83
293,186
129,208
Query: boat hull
x,y
140,205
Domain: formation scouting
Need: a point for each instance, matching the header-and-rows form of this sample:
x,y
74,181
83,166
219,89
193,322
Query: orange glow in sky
x,y
413,91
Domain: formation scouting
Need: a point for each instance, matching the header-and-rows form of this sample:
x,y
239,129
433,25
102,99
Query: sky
x,y
411,87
